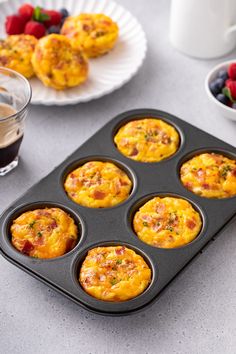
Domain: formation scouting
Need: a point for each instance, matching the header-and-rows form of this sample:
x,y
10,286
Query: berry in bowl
x,y
220,85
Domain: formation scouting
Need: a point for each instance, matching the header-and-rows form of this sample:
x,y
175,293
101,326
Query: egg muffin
x,y
44,233
210,175
114,273
16,52
147,140
167,222
96,34
98,184
57,64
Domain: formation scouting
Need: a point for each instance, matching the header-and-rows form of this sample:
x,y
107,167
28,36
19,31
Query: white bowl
x,y
226,111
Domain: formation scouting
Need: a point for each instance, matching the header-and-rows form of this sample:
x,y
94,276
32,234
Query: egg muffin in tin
x,y
114,273
167,222
16,53
210,175
147,140
57,64
44,233
96,34
98,184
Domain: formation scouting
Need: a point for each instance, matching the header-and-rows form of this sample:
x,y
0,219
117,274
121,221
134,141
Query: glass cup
x,y
15,96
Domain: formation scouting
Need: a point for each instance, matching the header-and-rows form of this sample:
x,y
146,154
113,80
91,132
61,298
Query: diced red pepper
x,y
188,185
120,250
190,224
134,152
233,172
28,246
123,183
99,195
53,224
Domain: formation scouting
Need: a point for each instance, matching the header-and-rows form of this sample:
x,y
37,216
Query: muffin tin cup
x,y
77,163
41,205
134,208
115,307
113,226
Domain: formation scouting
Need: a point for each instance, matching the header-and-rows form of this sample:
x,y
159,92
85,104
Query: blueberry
x,y
62,20
214,88
234,105
223,74
64,13
54,29
222,98
220,83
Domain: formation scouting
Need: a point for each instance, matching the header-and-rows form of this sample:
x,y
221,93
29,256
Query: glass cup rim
x,y
29,89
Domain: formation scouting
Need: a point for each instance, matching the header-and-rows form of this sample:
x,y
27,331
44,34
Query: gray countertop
x,y
197,313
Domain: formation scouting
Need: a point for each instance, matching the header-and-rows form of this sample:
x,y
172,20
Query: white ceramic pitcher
x,y
203,28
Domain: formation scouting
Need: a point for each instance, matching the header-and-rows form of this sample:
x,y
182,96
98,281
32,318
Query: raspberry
x,y
55,18
232,71
232,87
14,24
26,11
35,29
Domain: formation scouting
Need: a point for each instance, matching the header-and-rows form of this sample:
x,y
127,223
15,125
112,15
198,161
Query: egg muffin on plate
x,y
16,53
98,184
96,34
114,273
210,175
167,222
44,233
57,64
147,140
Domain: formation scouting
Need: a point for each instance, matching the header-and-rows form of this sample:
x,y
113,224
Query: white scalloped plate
x,y
108,72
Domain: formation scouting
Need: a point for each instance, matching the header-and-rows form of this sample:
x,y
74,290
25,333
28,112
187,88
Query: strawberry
x,y
54,18
232,71
14,24
227,82
35,29
26,11
39,15
232,87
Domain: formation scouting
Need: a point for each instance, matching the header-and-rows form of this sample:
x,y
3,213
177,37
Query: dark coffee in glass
x,y
15,95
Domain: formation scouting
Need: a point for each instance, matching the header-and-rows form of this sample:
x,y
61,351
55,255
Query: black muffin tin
x,y
113,226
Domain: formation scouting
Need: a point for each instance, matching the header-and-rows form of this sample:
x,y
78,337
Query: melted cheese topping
x,y
57,64
98,184
210,175
96,34
147,140
44,233
16,52
167,222
114,273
